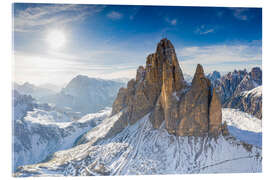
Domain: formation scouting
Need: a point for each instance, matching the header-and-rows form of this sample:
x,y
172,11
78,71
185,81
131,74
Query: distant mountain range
x,y
81,95
35,91
232,86
233,83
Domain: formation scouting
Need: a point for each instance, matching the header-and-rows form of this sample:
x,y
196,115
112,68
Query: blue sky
x,y
112,41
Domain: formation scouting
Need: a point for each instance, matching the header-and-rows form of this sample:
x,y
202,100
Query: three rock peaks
x,y
160,89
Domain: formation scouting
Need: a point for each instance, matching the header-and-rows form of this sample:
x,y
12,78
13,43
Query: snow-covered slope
x,y
257,92
243,126
241,120
140,149
39,130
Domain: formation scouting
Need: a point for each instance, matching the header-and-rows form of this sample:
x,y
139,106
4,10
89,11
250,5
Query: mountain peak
x,y
160,90
199,73
199,79
164,44
165,51
80,77
213,76
199,69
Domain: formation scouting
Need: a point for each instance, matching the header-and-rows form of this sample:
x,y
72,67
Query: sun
x,y
56,39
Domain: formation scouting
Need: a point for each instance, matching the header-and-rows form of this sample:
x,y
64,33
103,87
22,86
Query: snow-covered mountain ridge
x,y
254,92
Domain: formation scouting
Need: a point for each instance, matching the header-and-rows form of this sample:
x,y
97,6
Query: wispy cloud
x,y
134,11
221,57
203,29
240,13
36,18
172,22
114,15
37,68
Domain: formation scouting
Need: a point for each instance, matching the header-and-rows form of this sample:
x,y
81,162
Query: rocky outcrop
x,y
160,89
121,100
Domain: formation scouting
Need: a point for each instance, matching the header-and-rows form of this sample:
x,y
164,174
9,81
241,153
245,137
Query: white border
x,y
5,79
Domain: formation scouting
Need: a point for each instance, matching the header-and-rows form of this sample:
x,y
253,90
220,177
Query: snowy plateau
x,y
140,149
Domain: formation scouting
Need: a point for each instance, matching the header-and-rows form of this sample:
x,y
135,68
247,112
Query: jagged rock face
x,y
248,101
161,73
256,75
121,101
245,85
233,90
215,75
160,88
140,74
233,83
215,114
227,85
172,82
140,104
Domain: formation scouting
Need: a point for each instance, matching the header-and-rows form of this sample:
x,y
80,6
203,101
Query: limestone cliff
x,y
160,89
194,107
215,115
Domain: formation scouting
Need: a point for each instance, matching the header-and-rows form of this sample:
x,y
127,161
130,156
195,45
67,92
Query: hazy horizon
x,y
63,84
53,43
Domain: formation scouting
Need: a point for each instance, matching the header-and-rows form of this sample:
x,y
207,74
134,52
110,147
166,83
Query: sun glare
x,y
56,39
